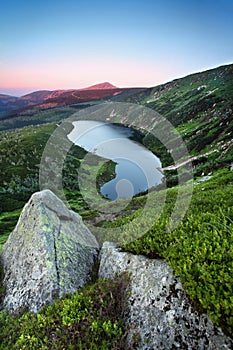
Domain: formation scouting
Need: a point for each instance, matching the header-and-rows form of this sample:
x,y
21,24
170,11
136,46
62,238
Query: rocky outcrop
x,y
50,253
159,314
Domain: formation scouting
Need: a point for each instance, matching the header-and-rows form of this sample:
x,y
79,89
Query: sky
x,y
69,44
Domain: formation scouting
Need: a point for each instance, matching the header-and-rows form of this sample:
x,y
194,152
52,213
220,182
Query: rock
x,y
50,253
159,314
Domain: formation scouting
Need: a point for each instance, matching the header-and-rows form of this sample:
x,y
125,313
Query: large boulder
x,y
50,253
158,313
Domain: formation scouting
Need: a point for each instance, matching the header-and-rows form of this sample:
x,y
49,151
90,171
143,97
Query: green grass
x,y
34,116
20,156
89,319
200,249
8,221
199,106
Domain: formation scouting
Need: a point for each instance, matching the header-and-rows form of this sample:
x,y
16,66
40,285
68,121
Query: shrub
x,y
89,319
200,249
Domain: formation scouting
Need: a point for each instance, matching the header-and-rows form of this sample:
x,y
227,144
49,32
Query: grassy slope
x,y
201,107
84,320
34,116
20,153
199,250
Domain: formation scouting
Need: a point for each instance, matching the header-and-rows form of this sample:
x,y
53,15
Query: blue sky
x,y
73,44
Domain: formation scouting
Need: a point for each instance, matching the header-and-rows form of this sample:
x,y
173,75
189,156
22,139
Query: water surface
x,y
137,168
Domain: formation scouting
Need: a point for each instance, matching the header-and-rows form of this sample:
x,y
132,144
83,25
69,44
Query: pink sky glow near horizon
x,y
76,75
50,45
19,81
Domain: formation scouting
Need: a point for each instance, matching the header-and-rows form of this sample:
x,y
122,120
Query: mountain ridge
x,y
102,86
200,107
53,98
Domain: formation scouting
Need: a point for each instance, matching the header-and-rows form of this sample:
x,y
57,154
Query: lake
x,y
137,168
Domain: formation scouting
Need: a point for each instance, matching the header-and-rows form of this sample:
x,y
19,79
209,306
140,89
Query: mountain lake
x,y
137,168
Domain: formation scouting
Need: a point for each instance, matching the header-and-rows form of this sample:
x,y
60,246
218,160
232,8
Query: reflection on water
x,y
137,168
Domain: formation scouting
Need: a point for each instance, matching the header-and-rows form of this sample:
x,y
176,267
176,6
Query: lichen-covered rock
x,y
50,253
159,314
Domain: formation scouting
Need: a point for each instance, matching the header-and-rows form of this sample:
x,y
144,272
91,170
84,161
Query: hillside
x,y
200,106
48,99
62,98
6,100
199,250
9,103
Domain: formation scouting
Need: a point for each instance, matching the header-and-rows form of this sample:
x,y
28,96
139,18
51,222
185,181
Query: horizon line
x,y
32,90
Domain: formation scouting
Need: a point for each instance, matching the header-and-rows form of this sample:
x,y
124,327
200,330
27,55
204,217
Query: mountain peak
x,y
101,86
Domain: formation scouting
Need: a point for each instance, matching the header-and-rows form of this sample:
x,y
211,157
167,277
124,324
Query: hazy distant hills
x,y
48,99
200,106
8,103
6,100
68,97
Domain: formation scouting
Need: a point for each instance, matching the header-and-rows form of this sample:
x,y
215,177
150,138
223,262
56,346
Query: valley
x,y
199,249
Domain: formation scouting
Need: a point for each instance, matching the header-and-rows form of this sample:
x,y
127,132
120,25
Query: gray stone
x,y
159,314
50,253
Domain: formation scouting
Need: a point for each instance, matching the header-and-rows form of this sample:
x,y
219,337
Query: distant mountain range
x,y
47,98
199,105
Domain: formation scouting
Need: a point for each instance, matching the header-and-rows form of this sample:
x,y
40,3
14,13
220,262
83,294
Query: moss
x,y
203,121
2,288
200,249
88,319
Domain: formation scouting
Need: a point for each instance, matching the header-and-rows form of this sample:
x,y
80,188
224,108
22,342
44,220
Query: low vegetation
x,y
91,319
35,116
200,249
200,106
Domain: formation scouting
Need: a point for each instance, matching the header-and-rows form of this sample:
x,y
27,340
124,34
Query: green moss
x,y
106,173
89,319
2,289
8,221
200,249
